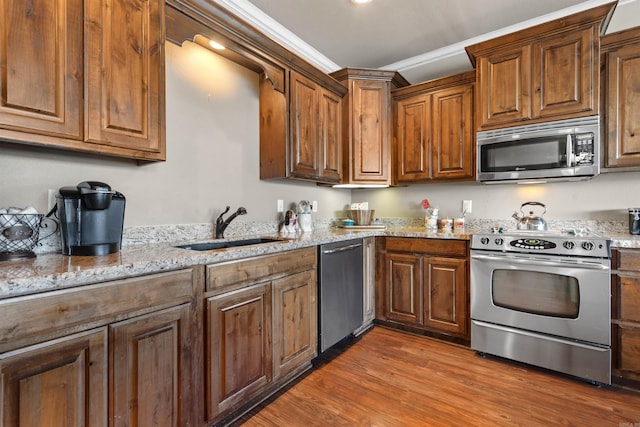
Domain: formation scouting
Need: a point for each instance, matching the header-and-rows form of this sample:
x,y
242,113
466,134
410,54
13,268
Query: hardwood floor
x,y
390,378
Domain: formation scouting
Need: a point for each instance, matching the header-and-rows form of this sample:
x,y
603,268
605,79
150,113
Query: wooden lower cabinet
x,y
239,347
120,353
260,328
57,383
625,315
423,286
149,356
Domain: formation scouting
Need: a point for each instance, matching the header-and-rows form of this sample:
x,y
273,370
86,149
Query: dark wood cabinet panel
x,y
445,294
453,133
56,383
295,321
403,288
504,87
330,136
41,77
150,357
238,347
564,77
413,139
304,126
622,88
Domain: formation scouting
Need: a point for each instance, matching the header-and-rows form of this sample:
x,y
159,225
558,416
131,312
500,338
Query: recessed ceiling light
x,y
216,45
360,1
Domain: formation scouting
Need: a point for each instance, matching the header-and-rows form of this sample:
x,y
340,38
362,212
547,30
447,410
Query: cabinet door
x,y
623,107
370,139
565,74
125,75
330,137
504,85
402,288
295,322
413,139
57,383
41,67
453,133
150,357
304,127
238,346
445,295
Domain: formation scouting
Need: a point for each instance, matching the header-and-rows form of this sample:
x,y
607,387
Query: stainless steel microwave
x,y
566,150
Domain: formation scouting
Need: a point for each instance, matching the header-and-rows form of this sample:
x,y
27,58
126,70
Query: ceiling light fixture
x,y
216,45
360,1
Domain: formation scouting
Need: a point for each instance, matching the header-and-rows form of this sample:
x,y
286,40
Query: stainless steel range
x,y
543,298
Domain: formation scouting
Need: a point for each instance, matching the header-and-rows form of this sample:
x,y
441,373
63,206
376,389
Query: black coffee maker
x,y
91,219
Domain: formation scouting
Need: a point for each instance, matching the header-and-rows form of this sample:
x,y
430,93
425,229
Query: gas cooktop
x,y
568,242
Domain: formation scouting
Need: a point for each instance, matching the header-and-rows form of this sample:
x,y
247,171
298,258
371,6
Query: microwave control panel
x,y
583,149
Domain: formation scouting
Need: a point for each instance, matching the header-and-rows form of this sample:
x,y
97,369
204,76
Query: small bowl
x,y
362,216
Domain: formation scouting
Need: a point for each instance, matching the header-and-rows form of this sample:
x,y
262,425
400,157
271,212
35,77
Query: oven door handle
x,y
533,261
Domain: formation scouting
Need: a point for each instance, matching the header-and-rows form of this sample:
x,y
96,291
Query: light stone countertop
x,y
52,271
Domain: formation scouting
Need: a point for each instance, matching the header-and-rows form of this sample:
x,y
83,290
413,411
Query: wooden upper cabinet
x,y
453,141
84,75
622,98
413,139
41,75
547,71
504,86
125,75
434,131
565,74
367,124
305,96
330,136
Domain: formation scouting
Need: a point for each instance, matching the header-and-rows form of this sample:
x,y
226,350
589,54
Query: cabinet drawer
x,y
630,299
627,260
244,272
444,247
58,313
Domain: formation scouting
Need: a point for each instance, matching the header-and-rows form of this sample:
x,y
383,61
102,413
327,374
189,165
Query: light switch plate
x,y
314,206
466,206
280,205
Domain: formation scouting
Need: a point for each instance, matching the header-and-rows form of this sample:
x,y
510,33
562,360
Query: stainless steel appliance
x,y
559,150
340,282
543,298
91,218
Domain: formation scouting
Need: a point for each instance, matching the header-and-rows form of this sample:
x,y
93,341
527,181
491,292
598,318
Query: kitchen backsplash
x,y
141,235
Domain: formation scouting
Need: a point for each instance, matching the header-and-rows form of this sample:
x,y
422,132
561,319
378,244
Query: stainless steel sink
x,y
228,244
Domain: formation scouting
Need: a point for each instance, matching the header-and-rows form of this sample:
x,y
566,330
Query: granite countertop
x,y
51,271
54,271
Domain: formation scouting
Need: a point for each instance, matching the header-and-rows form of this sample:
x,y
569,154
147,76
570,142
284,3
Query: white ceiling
x,y
422,39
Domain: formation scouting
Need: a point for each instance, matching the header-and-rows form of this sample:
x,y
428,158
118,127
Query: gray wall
x,y
212,155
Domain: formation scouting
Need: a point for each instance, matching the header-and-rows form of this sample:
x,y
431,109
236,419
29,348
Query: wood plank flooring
x,y
390,378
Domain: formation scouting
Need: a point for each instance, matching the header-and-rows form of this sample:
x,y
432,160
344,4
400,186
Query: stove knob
x,y
569,244
499,241
587,246
484,240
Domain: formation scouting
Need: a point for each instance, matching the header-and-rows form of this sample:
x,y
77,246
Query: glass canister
x,y
634,220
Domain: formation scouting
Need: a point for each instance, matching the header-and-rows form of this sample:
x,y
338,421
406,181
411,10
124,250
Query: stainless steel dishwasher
x,y
340,282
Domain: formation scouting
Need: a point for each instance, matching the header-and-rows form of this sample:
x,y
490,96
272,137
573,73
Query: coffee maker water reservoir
x,y
91,219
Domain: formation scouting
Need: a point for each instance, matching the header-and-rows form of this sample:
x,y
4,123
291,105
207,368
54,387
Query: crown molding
x,y
278,33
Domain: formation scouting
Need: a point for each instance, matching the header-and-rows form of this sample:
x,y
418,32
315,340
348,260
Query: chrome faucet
x,y
221,224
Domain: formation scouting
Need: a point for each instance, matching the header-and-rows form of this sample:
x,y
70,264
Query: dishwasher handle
x,y
342,248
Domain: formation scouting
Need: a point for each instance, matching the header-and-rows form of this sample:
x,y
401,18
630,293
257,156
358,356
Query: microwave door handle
x,y
569,150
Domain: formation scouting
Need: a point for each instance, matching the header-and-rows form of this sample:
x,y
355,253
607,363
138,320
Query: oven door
x,y
562,296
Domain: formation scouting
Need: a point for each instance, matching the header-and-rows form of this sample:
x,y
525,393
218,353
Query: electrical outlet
x,y
280,205
466,206
51,199
314,206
